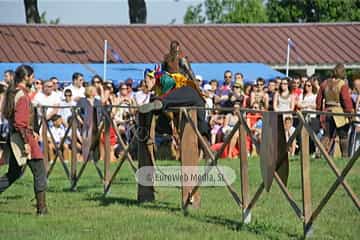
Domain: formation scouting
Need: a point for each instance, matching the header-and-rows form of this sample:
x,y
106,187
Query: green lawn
x,y
85,214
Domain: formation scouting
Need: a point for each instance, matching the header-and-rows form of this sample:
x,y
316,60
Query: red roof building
x,y
316,46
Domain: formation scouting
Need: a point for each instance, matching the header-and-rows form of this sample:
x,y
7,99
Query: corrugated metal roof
x,y
266,43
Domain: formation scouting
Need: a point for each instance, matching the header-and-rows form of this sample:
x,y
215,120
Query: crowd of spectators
x,y
279,94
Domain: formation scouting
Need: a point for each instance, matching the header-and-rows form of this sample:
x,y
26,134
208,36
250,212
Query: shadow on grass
x,y
106,201
258,228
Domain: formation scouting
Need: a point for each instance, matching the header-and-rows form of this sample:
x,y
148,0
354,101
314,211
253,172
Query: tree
x,y
43,19
313,10
137,11
227,11
193,15
31,11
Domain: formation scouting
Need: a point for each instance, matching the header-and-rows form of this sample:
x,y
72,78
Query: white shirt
x,y
309,100
65,113
141,97
41,99
76,92
57,132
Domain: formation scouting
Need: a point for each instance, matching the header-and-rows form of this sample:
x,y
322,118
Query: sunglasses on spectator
x,y
68,95
96,82
125,88
37,83
227,76
49,86
308,85
260,84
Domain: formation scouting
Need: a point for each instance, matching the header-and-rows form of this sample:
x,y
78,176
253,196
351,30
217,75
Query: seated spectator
x,y
289,131
66,113
216,123
77,87
57,130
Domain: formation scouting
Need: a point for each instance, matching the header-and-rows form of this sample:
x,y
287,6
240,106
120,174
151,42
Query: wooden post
x,y
45,138
73,169
189,154
107,149
145,193
305,180
244,174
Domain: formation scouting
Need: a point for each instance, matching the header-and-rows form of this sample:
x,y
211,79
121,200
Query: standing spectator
x,y
271,94
129,83
283,100
56,90
222,95
199,82
239,78
308,103
303,80
355,129
37,87
142,96
247,93
237,94
259,96
335,95
296,91
278,83
76,87
47,97
97,82
66,113
289,131
8,77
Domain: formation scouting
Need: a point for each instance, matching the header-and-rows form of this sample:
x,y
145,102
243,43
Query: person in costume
x,y
176,62
334,96
175,90
24,148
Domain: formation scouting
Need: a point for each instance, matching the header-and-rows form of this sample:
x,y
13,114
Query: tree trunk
x,y
137,11
31,11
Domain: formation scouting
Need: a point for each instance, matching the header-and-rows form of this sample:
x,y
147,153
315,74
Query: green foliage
x,y
313,10
86,214
257,11
227,11
193,15
43,19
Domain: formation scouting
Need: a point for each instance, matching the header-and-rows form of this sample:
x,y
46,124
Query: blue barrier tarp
x,y
120,72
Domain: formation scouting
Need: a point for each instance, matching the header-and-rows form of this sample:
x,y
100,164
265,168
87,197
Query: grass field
x,y
85,214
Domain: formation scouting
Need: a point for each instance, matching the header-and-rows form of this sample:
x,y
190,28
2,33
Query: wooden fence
x,y
273,158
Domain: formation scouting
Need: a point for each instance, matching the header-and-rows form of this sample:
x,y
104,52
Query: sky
x,y
97,11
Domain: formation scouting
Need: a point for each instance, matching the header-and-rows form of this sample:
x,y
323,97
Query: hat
x,y
239,84
199,78
151,74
